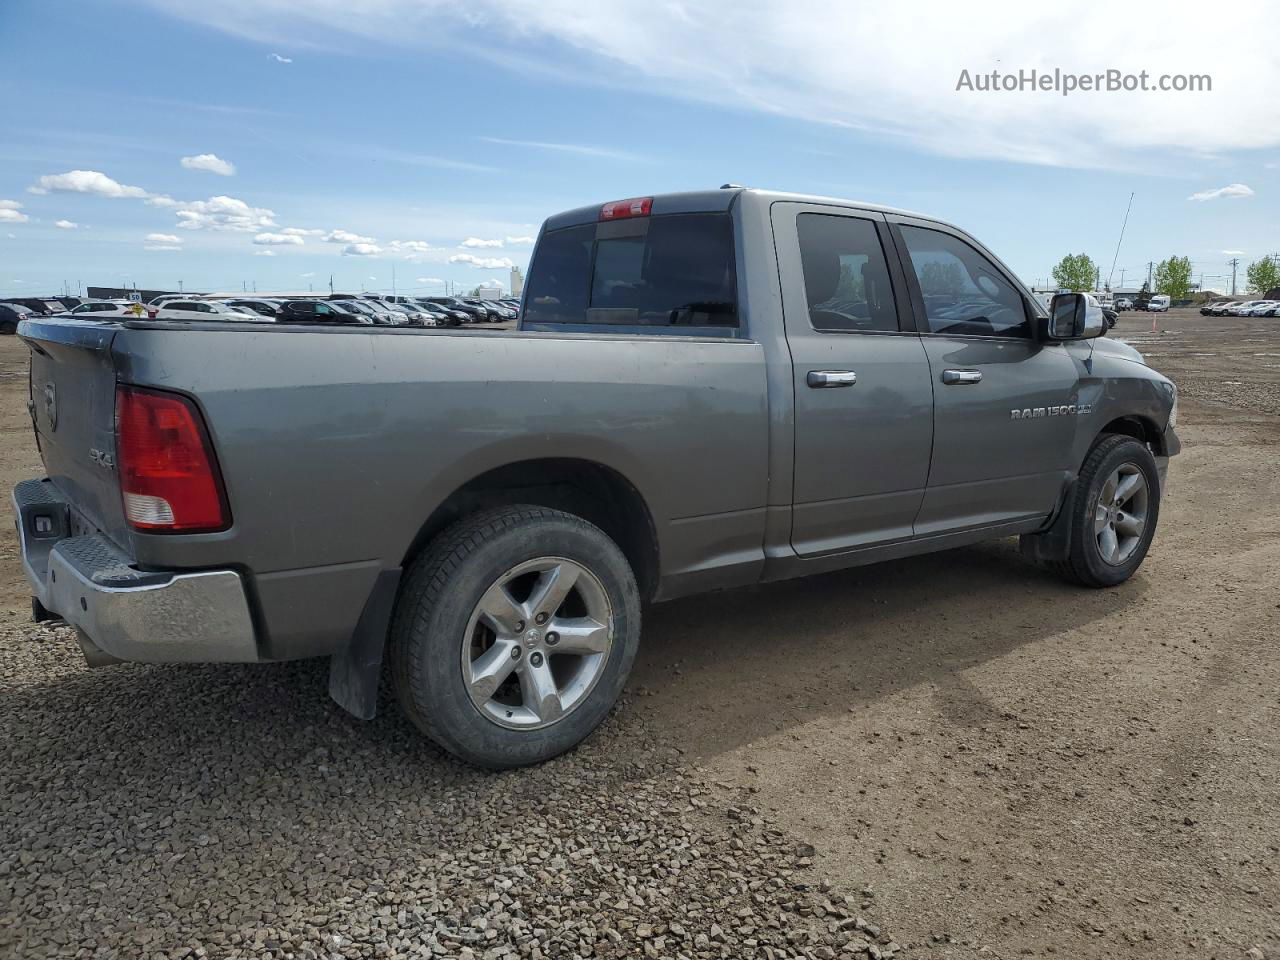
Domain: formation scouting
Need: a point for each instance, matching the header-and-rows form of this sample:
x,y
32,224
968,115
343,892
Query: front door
x,y
1005,404
863,397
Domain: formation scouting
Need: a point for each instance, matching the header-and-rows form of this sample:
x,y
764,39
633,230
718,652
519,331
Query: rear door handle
x,y
831,378
961,377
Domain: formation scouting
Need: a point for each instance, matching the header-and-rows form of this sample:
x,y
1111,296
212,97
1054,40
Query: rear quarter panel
x,y
336,445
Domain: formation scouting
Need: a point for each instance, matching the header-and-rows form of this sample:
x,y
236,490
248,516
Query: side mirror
x,y
1073,317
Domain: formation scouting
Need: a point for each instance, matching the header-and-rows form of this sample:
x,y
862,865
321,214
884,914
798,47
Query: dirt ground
x,y
989,761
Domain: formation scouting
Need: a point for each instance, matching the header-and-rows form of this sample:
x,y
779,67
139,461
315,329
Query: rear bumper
x,y
129,614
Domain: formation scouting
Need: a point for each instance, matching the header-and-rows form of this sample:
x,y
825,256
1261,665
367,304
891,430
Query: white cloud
x,y
11,212
210,163
411,247
361,250
65,224
264,253
889,70
302,232
224,213
482,263
520,241
310,273
278,240
346,236
581,149
428,280
279,59
168,238
477,242
159,246
1230,190
85,181
1233,253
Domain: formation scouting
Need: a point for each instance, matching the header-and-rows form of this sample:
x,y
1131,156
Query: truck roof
x,y
721,200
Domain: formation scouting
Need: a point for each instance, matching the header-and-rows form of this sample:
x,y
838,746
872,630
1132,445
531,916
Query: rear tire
x,y
1114,509
492,656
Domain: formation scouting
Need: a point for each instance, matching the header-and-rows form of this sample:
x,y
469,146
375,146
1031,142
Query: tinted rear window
x,y
675,270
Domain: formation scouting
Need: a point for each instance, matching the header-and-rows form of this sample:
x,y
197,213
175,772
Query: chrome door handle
x,y
960,377
831,378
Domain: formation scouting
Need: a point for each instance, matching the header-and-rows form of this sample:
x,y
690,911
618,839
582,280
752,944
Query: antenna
x,y
1120,241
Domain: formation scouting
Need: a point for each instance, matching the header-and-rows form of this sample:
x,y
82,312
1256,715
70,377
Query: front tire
x,y
514,634
1115,507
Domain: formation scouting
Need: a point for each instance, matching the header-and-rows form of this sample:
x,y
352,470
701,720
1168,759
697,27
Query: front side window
x,y
964,294
846,277
674,270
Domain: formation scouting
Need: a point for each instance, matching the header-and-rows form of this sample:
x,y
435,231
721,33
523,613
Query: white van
x,y
1159,303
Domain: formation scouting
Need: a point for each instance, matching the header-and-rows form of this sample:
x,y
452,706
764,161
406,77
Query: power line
x,y
1120,241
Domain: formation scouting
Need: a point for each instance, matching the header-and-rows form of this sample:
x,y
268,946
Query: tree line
x,y
1077,272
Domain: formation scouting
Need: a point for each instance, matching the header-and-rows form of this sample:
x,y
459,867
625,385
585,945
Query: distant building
x,y
517,282
489,293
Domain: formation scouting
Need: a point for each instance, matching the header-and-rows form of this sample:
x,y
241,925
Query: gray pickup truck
x,y
706,390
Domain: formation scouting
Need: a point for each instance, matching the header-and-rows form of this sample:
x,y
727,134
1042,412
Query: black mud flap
x,y
354,671
1053,544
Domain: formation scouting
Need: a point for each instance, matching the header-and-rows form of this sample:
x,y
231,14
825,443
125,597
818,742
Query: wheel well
x,y
584,488
1140,428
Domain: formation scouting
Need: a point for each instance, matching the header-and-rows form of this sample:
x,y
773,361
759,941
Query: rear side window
x,y
666,271
846,278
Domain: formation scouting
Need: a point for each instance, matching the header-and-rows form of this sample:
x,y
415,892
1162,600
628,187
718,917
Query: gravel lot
x,y
956,753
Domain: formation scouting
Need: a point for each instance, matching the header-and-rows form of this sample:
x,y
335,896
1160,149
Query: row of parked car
x,y
1241,308
370,309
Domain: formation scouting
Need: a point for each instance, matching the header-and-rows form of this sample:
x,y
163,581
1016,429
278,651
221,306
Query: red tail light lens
x,y
168,475
637,207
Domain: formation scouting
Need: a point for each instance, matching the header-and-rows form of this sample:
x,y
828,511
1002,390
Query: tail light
x,y
619,209
168,474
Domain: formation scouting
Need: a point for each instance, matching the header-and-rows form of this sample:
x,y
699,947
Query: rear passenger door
x,y
863,397
978,328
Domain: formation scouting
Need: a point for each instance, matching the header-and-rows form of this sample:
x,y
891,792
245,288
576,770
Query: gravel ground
x,y
955,752
230,811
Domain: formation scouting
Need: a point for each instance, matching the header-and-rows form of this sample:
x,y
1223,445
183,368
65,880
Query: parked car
x,y
1220,308
1261,308
12,314
208,310
70,303
1159,303
453,303
488,513
1112,317
1206,308
323,312
262,307
444,316
1240,308
381,312
39,306
1122,304
490,313
98,309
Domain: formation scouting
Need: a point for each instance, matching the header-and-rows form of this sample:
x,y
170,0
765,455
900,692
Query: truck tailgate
x,y
73,385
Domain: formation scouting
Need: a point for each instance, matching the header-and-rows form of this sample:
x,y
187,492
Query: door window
x,y
964,293
846,278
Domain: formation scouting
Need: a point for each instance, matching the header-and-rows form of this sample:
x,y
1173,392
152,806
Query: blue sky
x,y
399,130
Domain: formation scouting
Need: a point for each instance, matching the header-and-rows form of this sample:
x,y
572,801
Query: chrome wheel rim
x,y
1120,516
537,642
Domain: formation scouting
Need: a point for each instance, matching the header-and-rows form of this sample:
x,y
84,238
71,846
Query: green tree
x,y
1264,275
941,279
1173,277
1075,272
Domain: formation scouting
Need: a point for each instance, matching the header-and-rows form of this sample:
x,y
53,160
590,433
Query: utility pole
x,y
331,284
1234,262
1123,271
393,282
1097,278
180,290
244,287
1150,266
